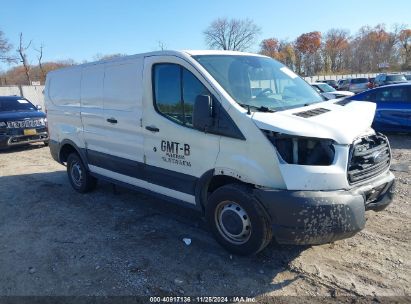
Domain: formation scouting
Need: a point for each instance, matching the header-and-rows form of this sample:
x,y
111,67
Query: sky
x,y
80,30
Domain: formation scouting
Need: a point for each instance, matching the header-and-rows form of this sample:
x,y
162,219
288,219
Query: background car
x,y
343,84
393,107
329,92
339,83
330,82
384,79
355,85
21,122
371,82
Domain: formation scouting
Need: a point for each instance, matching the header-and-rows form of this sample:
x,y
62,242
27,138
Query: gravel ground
x,y
54,241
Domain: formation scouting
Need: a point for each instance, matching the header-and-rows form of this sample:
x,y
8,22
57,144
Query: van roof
x,y
218,52
163,53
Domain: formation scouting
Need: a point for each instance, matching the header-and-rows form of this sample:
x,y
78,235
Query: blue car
x,y
393,107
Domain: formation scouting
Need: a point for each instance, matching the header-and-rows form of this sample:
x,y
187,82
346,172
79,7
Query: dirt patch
x,y
54,241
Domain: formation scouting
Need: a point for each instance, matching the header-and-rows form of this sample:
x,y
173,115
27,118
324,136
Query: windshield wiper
x,y
259,109
313,102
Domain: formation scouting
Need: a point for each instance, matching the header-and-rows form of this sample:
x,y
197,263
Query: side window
x,y
393,94
379,79
192,87
175,91
398,94
167,91
316,88
382,95
369,96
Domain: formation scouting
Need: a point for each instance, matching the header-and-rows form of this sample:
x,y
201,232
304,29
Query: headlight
x,y
302,150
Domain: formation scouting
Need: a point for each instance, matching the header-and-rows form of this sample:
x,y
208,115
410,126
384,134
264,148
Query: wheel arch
x,y
209,182
67,147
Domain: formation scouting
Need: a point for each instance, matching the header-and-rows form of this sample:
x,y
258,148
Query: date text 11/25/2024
x,y
202,299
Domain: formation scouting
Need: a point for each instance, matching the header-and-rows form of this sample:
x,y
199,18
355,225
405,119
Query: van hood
x,y
340,122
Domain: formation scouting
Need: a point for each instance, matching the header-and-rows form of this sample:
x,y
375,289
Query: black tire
x,y
229,210
80,179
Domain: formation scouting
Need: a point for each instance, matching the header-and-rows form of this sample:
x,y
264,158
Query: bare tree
x,y
23,57
234,34
161,45
5,48
39,59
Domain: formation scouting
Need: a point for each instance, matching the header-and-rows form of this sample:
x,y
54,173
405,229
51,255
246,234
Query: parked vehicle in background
x,y
340,83
21,122
385,79
330,82
344,85
356,85
329,92
393,107
371,82
237,136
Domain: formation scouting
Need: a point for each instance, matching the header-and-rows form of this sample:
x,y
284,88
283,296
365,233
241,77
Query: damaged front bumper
x,y
318,217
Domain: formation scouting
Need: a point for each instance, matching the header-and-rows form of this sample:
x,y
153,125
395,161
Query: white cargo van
x,y
238,136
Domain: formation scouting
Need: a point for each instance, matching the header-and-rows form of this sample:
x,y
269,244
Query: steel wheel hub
x,y
76,174
233,222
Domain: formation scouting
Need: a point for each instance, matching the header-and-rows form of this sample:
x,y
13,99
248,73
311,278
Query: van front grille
x,y
369,156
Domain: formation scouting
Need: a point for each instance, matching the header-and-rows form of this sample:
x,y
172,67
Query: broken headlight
x,y
302,150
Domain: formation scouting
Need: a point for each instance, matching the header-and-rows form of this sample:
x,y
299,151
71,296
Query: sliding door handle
x,y
112,120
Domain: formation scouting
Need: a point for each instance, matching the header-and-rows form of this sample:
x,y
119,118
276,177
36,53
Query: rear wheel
x,y
238,220
80,179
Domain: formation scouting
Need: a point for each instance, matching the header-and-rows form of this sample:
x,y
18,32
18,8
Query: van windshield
x,y
259,82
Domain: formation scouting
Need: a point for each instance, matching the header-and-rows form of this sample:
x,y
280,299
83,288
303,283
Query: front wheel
x,y
80,179
238,220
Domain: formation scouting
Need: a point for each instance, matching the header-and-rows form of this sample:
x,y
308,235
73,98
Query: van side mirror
x,y
203,113
39,107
